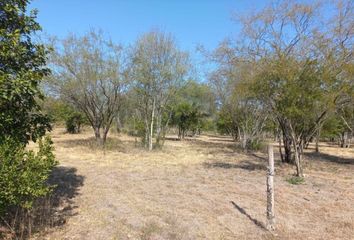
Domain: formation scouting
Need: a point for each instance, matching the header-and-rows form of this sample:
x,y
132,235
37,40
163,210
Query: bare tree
x,y
158,69
88,72
247,114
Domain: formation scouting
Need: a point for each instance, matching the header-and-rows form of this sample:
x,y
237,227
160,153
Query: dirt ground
x,y
201,188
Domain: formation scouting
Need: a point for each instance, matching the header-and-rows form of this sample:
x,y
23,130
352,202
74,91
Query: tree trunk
x,y
287,148
147,133
270,189
238,135
158,127
298,151
98,135
152,125
78,127
298,155
344,140
119,124
280,149
244,140
165,129
317,140
276,135
104,137
307,143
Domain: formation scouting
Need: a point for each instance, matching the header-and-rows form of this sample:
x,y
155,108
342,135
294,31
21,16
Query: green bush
x,y
187,117
208,125
136,127
24,173
73,122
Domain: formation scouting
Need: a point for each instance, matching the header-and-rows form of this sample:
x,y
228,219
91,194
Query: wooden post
x,y
270,189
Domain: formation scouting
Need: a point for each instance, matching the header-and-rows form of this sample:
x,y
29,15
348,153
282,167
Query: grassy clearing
x,y
202,188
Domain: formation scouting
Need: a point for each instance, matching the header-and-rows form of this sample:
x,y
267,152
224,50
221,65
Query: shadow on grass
x,y
255,221
112,144
227,140
261,158
217,136
220,142
172,139
330,158
312,146
50,211
218,147
55,209
246,165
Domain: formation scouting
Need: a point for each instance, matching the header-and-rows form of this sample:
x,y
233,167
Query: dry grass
x,y
199,189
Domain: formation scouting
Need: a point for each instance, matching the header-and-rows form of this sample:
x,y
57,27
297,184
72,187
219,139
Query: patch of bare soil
x,y
202,188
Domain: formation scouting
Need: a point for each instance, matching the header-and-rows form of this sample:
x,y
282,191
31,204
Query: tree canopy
x,y
22,68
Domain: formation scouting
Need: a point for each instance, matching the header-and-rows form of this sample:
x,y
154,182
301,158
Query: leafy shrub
x,y
57,109
208,125
187,117
136,127
73,122
23,173
224,123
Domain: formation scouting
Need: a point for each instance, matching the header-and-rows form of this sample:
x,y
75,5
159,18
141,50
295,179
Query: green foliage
x,y
22,67
244,119
199,94
187,117
136,127
23,173
57,110
73,122
302,97
332,127
60,111
193,105
208,124
295,180
225,124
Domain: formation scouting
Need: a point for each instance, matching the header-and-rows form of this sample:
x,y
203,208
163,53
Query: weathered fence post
x,y
270,189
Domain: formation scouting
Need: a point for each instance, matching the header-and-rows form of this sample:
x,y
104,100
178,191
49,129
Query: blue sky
x,y
192,22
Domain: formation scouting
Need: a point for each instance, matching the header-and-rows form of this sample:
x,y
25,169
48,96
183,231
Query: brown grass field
x,y
200,188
